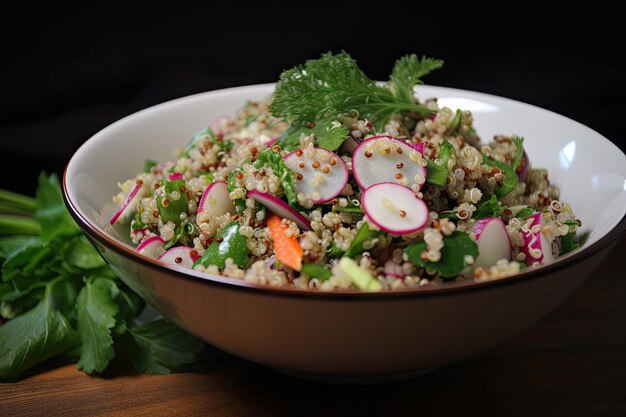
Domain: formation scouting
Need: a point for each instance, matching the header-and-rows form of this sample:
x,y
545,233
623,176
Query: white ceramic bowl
x,y
357,335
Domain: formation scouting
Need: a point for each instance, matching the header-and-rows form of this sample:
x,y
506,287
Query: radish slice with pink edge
x,y
181,256
218,123
394,208
150,247
128,205
524,164
393,269
215,202
537,247
271,142
175,176
493,241
280,208
320,174
386,159
419,147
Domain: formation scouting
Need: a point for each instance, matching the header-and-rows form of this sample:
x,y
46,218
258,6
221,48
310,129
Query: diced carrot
x,y
287,248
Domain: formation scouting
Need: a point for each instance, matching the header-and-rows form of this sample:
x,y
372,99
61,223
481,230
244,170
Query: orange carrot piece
x,y
287,248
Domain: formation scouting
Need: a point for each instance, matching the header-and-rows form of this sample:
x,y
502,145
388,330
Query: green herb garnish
x,y
333,86
453,254
510,180
316,271
277,163
60,298
489,208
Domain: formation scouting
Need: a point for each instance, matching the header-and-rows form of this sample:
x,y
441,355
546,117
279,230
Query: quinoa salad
x,y
337,182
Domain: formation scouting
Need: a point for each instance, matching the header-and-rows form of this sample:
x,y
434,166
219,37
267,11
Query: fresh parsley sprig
x,y
333,86
60,298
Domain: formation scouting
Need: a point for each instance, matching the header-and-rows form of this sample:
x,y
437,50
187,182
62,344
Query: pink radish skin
x,y
215,202
394,208
323,174
493,241
271,142
372,164
175,176
523,169
419,147
126,208
217,123
180,256
393,269
150,247
280,208
537,247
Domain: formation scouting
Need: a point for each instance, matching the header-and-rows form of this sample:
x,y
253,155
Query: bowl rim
x,y
94,233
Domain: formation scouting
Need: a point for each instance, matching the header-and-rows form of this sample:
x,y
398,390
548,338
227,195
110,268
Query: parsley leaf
x,y
276,162
35,336
159,347
437,173
362,235
51,212
96,317
316,271
525,213
455,248
407,72
489,208
510,177
329,134
569,243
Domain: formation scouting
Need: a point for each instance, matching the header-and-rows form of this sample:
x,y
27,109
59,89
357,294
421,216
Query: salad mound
x,y
337,182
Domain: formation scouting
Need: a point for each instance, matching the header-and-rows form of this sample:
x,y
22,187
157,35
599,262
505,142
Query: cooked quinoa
x,y
238,151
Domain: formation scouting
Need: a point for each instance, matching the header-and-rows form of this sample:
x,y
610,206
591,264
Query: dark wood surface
x,y
573,362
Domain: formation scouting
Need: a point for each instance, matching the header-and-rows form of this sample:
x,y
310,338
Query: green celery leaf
x,y
159,347
11,244
96,317
51,212
18,225
33,259
316,271
407,72
33,337
452,262
81,254
227,244
510,177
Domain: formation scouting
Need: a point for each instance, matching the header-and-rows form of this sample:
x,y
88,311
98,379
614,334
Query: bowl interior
x,y
589,170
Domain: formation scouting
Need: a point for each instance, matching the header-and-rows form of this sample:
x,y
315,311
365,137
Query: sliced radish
x,y
419,147
175,176
537,247
181,256
393,269
386,159
350,144
130,202
493,241
394,208
271,142
280,208
524,164
150,247
321,175
217,124
215,202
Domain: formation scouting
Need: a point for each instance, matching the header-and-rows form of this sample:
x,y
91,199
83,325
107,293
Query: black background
x,y
68,73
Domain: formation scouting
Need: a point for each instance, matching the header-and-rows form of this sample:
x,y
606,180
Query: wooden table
x,y
571,363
